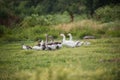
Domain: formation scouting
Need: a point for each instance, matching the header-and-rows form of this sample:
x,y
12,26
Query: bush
x,y
35,19
81,32
11,38
108,13
113,29
37,32
44,20
61,18
2,30
113,33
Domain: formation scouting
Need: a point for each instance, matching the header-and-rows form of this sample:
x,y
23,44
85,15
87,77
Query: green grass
x,y
99,61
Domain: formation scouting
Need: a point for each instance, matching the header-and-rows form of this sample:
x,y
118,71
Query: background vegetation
x,y
31,19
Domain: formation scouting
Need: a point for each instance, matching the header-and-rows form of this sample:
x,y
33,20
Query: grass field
x,y
98,61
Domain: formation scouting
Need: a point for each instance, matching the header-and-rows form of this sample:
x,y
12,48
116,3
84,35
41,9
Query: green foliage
x,y
80,17
113,29
21,9
2,30
35,19
32,33
11,38
44,20
61,18
80,33
108,13
112,33
79,30
3,14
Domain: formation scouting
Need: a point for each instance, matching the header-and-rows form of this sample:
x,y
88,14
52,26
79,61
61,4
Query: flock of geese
x,y
50,44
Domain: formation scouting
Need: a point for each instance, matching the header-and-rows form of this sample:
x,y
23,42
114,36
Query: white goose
x,y
86,43
26,47
68,43
78,43
39,46
58,44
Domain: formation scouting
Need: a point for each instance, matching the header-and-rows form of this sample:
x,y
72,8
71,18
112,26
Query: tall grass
x,y
91,27
78,28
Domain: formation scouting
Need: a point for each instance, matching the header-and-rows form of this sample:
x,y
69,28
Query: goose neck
x,y
64,38
70,37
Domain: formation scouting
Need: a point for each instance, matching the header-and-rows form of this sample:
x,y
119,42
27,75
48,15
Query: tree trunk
x,y
71,16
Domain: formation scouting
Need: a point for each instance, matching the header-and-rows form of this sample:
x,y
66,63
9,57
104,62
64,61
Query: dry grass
x,y
80,24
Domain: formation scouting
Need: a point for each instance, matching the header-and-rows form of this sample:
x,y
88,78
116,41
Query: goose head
x,y
62,35
69,34
42,42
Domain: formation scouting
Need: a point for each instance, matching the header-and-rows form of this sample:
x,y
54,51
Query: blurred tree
x,y
13,10
7,14
92,5
60,6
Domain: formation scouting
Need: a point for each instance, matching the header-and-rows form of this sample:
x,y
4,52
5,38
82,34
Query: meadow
x,y
98,61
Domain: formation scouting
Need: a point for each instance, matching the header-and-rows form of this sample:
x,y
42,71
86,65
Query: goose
x,y
68,43
39,42
86,43
26,47
89,37
49,46
58,44
78,43
37,47
40,46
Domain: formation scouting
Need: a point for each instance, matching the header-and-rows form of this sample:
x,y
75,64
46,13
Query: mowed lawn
x,y
98,61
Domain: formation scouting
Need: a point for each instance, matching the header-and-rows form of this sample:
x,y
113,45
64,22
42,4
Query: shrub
x,y
84,33
11,38
45,20
81,32
2,30
61,18
112,29
35,19
37,32
111,33
108,13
